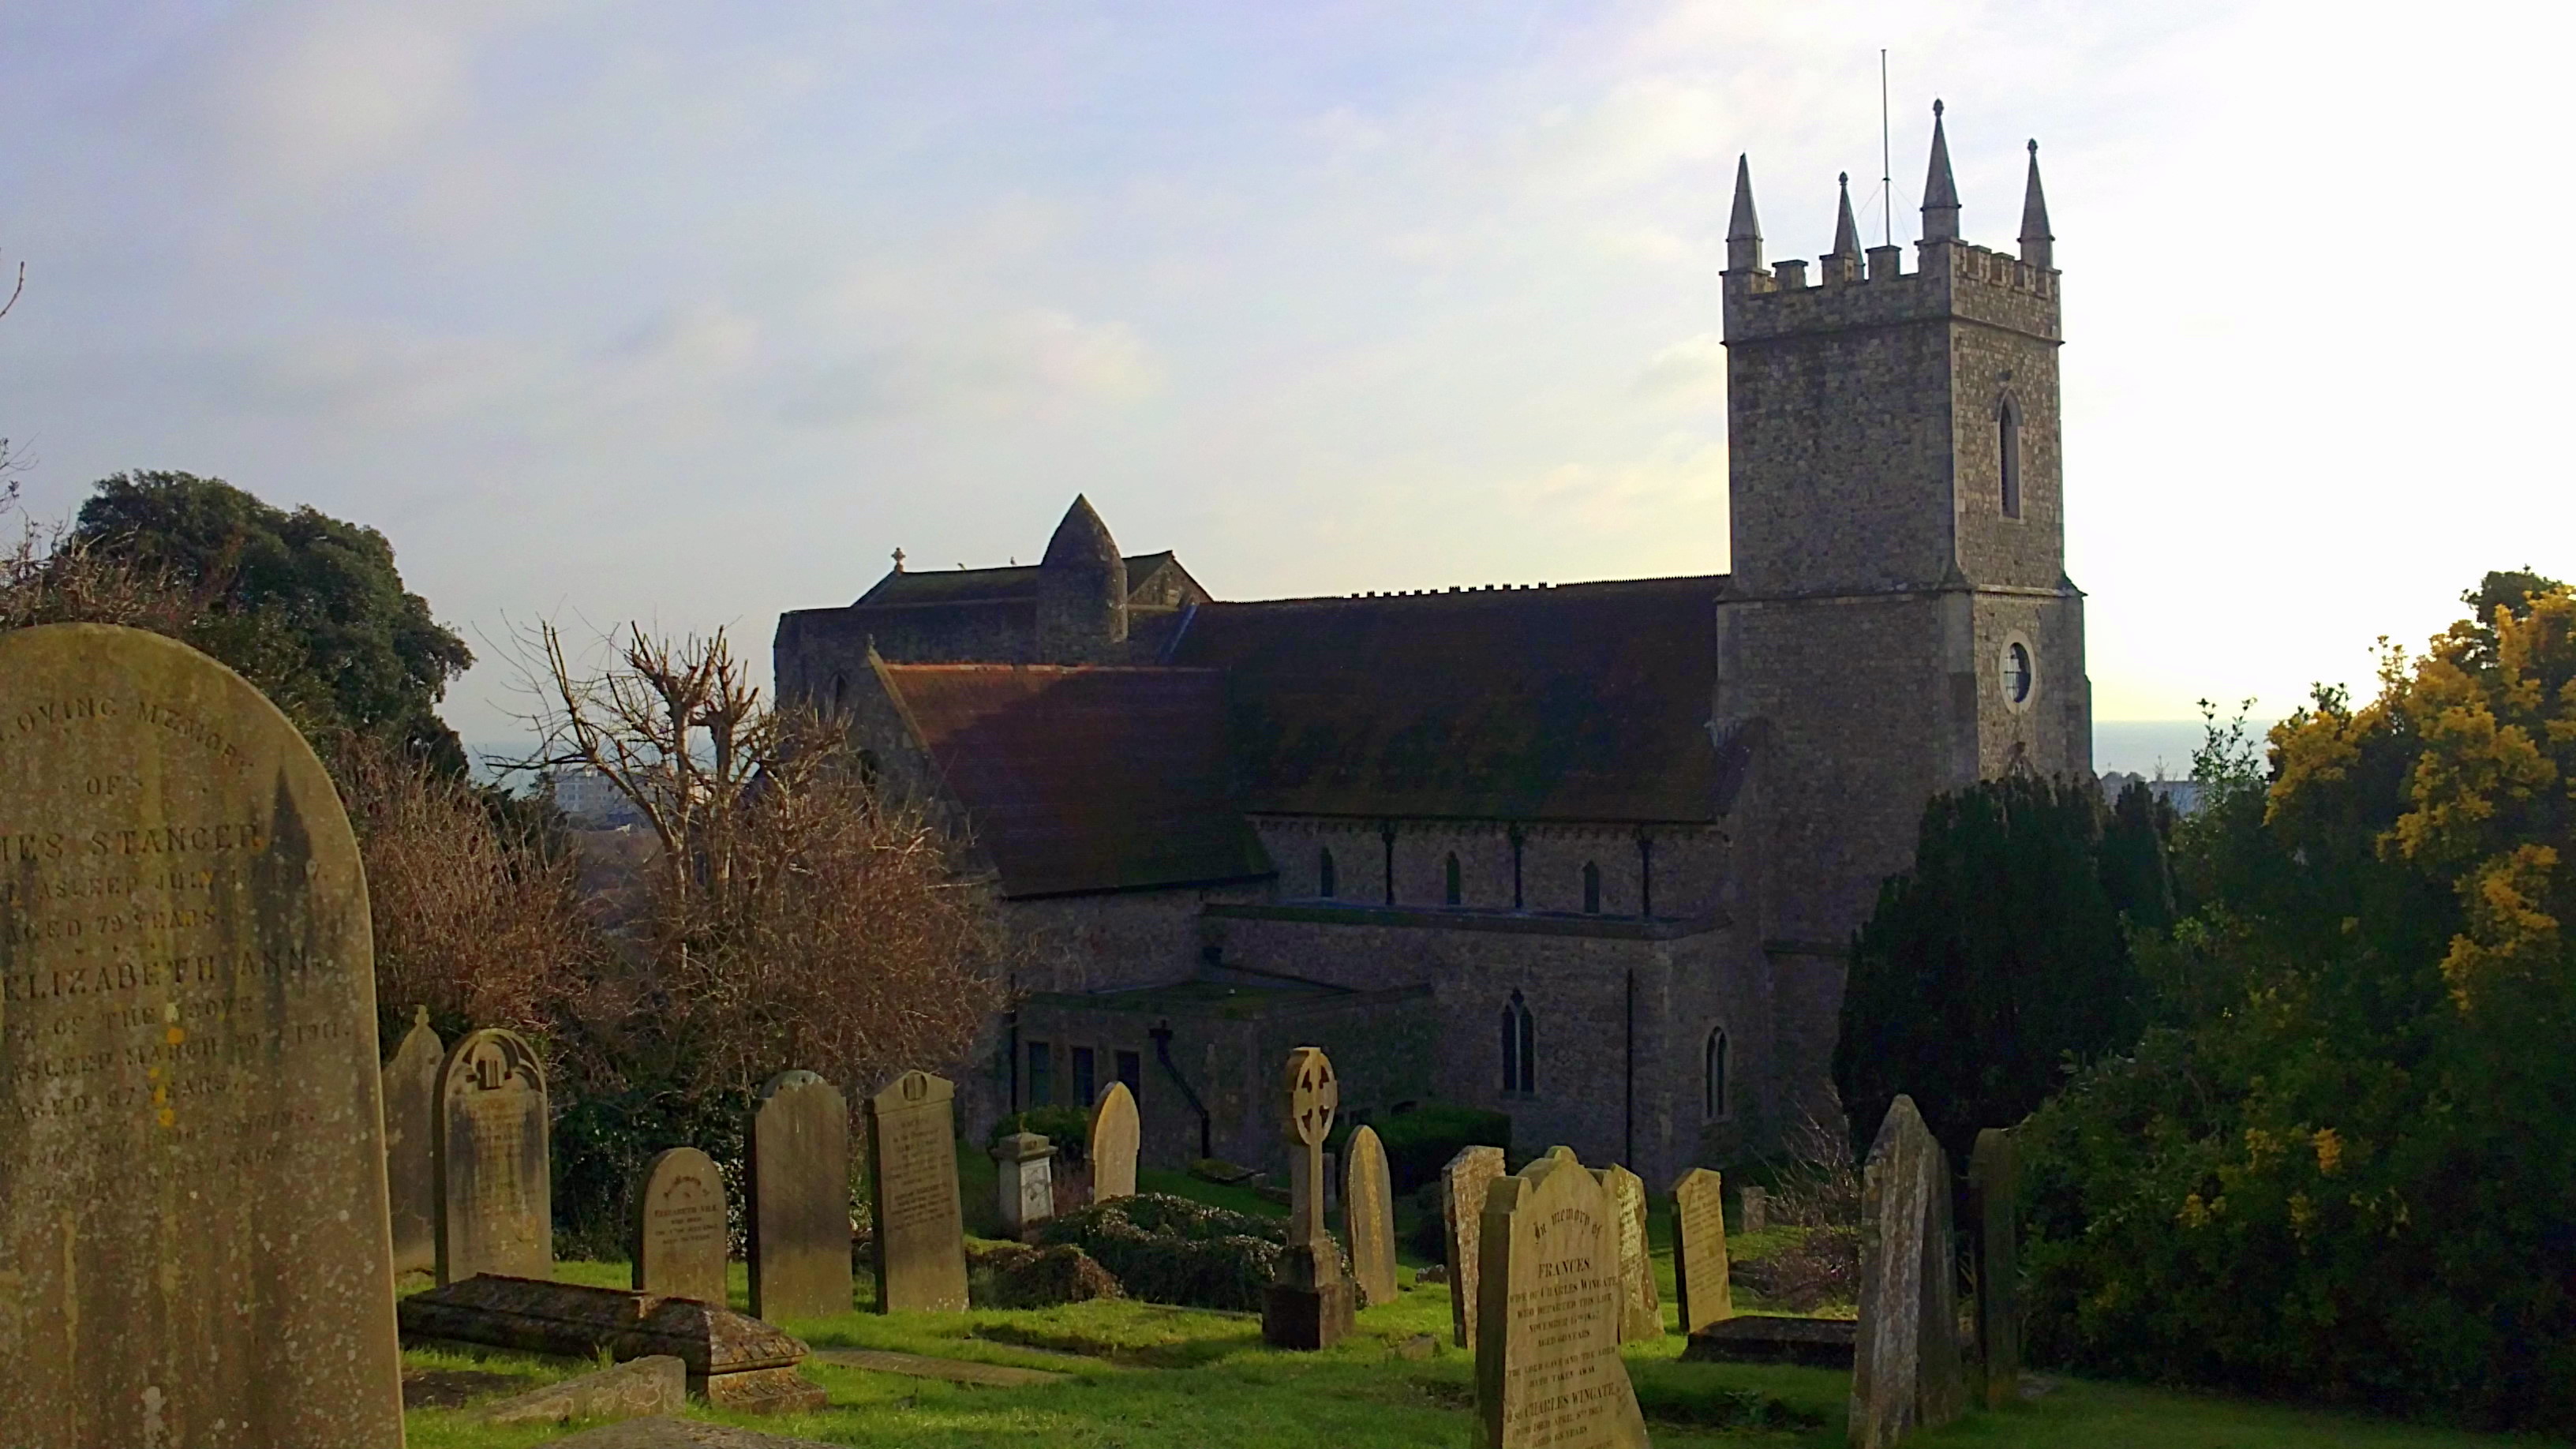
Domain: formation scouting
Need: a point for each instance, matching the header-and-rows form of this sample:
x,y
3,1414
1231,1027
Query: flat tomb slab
x,y
1815,1342
666,1433
920,1366
733,1359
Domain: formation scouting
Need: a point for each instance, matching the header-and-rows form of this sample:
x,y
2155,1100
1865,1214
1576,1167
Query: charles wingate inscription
x,y
190,1134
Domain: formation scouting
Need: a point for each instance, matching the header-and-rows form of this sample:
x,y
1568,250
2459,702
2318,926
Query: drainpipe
x,y
1386,833
1517,837
1629,1107
1162,1036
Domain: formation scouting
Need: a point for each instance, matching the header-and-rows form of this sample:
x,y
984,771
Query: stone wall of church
x,y
1689,864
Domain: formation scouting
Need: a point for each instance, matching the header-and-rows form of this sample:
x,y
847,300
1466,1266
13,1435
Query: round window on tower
x,y
2018,675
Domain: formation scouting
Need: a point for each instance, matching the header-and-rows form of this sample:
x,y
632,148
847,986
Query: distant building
x,y
1589,855
590,802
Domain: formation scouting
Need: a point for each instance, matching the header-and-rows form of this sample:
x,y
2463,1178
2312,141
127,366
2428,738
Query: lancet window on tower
x,y
1591,888
1325,885
2008,455
1455,883
1520,1047
1713,1065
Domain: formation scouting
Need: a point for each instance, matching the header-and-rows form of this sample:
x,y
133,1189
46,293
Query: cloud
x,y
1035,361
1684,475
1693,368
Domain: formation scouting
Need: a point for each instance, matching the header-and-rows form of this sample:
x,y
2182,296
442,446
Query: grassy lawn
x,y
1145,1376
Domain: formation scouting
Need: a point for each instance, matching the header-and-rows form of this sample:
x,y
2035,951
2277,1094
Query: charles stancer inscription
x,y
194,1251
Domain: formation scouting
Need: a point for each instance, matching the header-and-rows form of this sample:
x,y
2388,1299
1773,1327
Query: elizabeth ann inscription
x,y
190,1136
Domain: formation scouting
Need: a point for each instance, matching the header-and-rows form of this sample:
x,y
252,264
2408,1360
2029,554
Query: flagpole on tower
x,y
1886,166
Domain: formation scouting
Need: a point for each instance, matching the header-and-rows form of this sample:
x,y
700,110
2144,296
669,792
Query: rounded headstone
x,y
799,1213
193,1240
921,1222
1368,1210
495,1197
1115,1136
680,1232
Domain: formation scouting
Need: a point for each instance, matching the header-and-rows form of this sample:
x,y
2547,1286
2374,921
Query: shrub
x,y
1821,1266
1011,1276
1166,1249
1068,1128
1420,1141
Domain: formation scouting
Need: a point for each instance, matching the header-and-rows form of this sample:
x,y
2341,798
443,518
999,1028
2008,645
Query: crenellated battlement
x,y
1951,279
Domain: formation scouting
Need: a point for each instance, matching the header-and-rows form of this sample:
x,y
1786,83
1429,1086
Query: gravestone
x,y
1463,1184
1994,1234
1307,1305
495,1201
1547,1326
1115,1133
921,1224
1699,1250
411,1158
1024,1181
681,1236
798,1219
1757,1210
1368,1216
1905,1357
1640,1315
192,1189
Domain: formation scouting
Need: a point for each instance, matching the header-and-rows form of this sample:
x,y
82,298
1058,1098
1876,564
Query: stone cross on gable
x,y
1313,1093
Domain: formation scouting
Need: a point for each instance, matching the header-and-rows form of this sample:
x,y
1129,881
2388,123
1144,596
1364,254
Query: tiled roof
x,y
960,586
1085,779
1583,703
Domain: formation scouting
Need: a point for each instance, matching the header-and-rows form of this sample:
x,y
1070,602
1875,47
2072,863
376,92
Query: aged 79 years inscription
x,y
194,1247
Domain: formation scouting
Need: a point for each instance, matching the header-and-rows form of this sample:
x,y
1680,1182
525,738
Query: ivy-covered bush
x,y
1420,1140
1067,1128
1166,1249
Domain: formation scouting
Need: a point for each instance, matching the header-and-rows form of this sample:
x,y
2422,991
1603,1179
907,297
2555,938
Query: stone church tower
x,y
1898,621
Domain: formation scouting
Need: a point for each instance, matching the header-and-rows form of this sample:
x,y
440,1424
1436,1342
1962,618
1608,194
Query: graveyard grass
x,y
1146,1376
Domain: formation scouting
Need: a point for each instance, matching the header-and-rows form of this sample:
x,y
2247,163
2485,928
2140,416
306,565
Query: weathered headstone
x,y
1640,1315
193,1243
1308,1304
495,1198
680,1232
411,1157
921,1224
1905,1359
1757,1210
1024,1181
1699,1250
1463,1184
1547,1326
1115,1135
798,1219
1992,1173
1368,1213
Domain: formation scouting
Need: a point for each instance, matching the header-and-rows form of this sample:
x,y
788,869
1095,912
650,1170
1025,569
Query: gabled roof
x,y
1085,779
1590,702
963,586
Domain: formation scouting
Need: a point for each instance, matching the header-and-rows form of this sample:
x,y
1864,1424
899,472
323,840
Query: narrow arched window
x,y
1713,1063
2008,456
840,691
1325,885
1456,886
1591,888
1520,1047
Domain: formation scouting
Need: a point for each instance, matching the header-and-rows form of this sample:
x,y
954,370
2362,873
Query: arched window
x,y
2008,456
1520,1047
1591,888
840,691
1325,885
1713,1063
1455,890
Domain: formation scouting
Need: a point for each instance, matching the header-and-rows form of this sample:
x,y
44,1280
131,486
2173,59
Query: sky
x,y
689,314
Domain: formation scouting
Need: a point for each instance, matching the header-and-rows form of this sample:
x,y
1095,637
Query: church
x,y
1589,855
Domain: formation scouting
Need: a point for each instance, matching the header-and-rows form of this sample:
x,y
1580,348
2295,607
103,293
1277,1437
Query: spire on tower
x,y
1846,231
2036,248
1743,231
1940,192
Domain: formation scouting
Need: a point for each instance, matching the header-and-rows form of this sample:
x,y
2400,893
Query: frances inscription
x,y
1548,1374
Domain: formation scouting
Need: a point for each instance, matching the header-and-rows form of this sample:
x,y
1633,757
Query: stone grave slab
x,y
921,1222
495,1198
734,1361
1368,1216
1641,1314
1547,1346
799,1213
1699,1250
1116,1134
411,1158
1308,1304
955,1371
1905,1362
1758,1338
1463,1184
1757,1210
681,1237
1994,1238
191,1121
678,1434
658,1384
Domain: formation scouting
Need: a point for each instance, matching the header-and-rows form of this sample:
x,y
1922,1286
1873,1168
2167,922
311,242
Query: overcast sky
x,y
691,313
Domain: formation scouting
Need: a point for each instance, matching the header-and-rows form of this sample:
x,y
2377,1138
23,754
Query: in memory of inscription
x,y
1700,1277
193,1214
1548,1374
921,1221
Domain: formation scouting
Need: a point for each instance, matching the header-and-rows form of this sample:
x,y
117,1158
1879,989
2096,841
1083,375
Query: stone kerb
x,y
1641,1316
681,1236
1463,1184
411,1160
193,1214
1368,1216
495,1192
1699,1250
1905,1360
799,1213
1548,1374
920,1220
1116,1134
